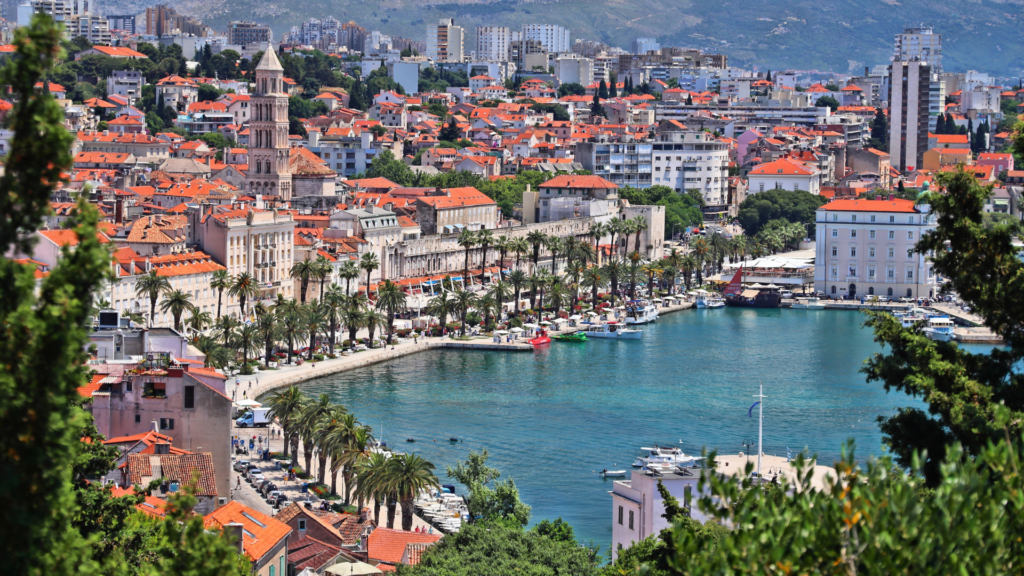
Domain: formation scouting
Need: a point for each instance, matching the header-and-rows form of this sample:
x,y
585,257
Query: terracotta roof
x,y
179,467
948,138
67,237
150,505
895,205
456,198
261,533
93,385
388,545
119,52
166,230
101,157
311,553
781,167
570,181
302,162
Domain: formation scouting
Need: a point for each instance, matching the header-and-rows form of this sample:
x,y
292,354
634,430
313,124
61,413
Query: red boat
x,y
541,338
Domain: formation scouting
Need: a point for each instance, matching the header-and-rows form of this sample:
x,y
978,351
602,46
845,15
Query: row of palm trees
x,y
177,302
321,271
342,444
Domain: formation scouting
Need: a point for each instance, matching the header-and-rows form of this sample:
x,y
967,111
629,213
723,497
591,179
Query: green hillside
x,y
799,34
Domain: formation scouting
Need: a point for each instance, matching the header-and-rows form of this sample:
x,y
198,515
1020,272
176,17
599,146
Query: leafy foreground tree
x,y
55,523
500,503
500,548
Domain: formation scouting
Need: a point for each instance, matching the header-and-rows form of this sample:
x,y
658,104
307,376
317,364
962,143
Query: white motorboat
x,y
909,319
808,304
641,312
612,330
608,473
940,329
707,300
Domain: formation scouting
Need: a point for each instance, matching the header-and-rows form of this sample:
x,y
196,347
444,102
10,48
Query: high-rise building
x,y
909,98
552,38
351,36
244,33
644,45
78,18
124,22
920,43
268,131
162,20
445,41
492,43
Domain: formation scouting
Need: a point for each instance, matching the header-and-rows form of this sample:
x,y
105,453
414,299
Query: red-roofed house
x,y
866,248
999,161
559,197
784,174
389,547
452,210
264,539
113,52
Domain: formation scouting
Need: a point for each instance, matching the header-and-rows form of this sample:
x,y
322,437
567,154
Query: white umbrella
x,y
576,317
560,320
246,403
501,331
516,330
592,314
657,300
353,569
545,323
529,325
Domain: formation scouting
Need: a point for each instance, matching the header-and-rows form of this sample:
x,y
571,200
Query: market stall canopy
x,y
503,332
516,330
353,569
248,403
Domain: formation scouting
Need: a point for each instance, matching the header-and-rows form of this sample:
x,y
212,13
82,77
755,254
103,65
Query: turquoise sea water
x,y
553,417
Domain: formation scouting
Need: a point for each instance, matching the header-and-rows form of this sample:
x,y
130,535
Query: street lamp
x,y
747,445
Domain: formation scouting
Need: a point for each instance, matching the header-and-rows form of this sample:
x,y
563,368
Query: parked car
x,y
261,487
241,465
787,294
277,499
267,487
884,299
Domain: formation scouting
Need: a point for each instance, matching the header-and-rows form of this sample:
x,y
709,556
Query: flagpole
x,y
760,425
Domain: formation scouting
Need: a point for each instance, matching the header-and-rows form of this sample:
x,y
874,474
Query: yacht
x,y
909,319
641,312
940,329
612,330
707,300
808,304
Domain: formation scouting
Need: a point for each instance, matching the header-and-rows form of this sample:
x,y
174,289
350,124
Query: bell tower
x,y
268,131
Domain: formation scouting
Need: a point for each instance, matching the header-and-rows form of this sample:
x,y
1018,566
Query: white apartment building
x,y
920,43
692,160
492,43
126,83
577,70
638,508
445,41
189,272
551,37
909,112
784,174
866,248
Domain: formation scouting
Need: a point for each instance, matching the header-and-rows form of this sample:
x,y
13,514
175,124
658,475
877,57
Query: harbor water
x,y
552,418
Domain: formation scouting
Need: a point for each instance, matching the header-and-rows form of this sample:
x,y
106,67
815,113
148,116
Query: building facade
x,y
445,41
492,43
268,131
245,33
909,105
866,248
552,38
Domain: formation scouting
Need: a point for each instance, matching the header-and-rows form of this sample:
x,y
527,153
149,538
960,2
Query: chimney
x,y
118,211
156,427
162,448
234,530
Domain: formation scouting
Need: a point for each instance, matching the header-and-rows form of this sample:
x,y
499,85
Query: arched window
x,y
889,292
833,289
268,167
258,166
910,293
871,290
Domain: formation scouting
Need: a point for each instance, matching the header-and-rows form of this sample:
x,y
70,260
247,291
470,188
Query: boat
x,y
640,312
912,317
612,330
410,439
706,299
606,473
574,337
541,338
940,329
808,304
763,297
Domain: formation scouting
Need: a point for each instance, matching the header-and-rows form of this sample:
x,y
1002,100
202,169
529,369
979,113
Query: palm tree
x,y
357,451
293,328
244,288
315,416
369,262
536,239
304,430
349,272
220,282
303,270
225,327
409,474
354,314
177,302
373,320
557,294
440,306
286,406
199,321
719,247
517,279
466,239
487,304
315,320
574,272
639,225
390,297
485,238
335,437
616,227
578,250
536,281
503,244
555,245
246,338
500,292
521,247
216,355
133,316
594,278
634,273
151,286
268,328
597,231
334,302
464,300
650,270
371,481
701,251
670,273
323,269
688,265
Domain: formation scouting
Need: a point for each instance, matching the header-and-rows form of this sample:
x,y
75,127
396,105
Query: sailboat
x,y
735,295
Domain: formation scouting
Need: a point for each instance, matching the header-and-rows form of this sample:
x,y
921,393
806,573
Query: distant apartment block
x,y
492,43
445,41
552,38
244,33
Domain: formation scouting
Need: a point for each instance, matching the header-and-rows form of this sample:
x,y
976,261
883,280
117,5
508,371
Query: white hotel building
x,y
866,247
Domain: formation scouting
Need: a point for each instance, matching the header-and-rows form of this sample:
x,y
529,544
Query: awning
x,y
749,293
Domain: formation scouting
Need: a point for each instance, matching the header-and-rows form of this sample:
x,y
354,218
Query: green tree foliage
x,y
557,110
502,548
208,93
880,131
827,101
499,503
385,165
571,89
434,80
602,90
794,206
55,523
450,132
302,108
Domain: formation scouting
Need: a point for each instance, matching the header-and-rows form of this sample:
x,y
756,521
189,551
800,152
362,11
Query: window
x,y
853,233
910,273
833,289
835,272
835,233
138,418
128,386
872,217
871,234
190,397
853,218
892,218
892,252
892,234
302,524
871,251
167,423
835,217
853,251
910,253
835,250
910,235
871,272
620,515
272,570
154,390
630,519
890,273
281,562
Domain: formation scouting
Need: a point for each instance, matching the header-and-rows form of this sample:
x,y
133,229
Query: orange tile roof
x,y
948,138
101,157
93,385
895,205
119,52
571,181
261,533
388,545
178,467
784,167
150,505
67,237
457,198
